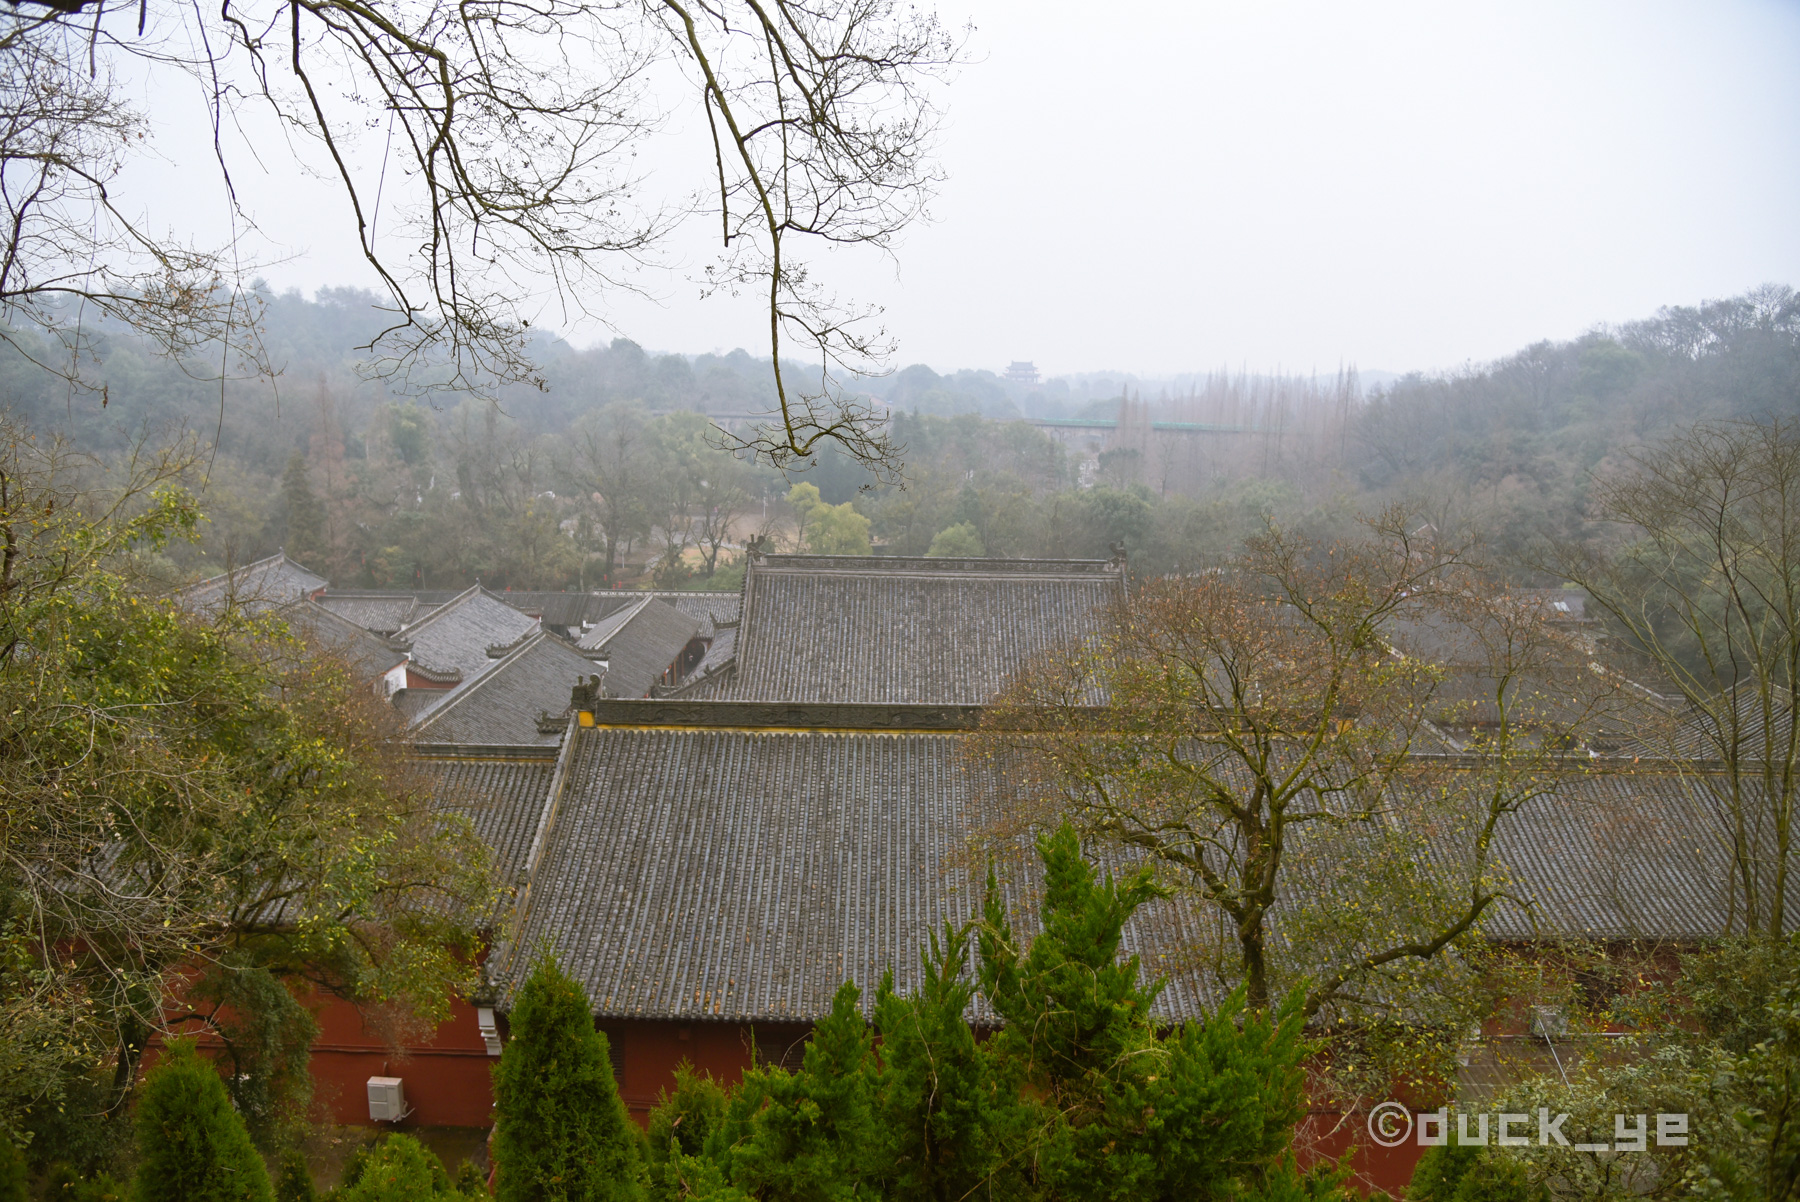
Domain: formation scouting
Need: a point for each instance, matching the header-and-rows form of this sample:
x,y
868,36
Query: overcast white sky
x,y
1173,187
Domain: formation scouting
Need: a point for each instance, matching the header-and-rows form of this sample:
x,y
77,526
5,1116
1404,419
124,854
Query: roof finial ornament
x,y
756,546
1118,554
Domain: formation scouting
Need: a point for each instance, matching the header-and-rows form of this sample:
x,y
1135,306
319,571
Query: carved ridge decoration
x,y
785,715
438,675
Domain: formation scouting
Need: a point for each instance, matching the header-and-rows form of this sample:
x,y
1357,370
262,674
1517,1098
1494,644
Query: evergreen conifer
x,y
945,1109
679,1129
192,1146
292,1182
1441,1170
561,1133
401,1169
805,1137
1206,1112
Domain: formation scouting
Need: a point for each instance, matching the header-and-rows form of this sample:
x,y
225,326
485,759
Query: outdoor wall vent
x,y
387,1100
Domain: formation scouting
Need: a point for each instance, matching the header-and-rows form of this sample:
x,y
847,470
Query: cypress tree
x,y
802,1137
401,1169
561,1133
1205,1112
945,1109
292,1182
192,1146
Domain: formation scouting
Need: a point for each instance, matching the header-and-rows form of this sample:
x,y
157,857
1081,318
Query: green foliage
x,y
1078,1097
1201,1113
400,1169
192,1146
560,1130
293,1183
257,815
803,1137
268,1038
471,1182
956,542
1493,1178
828,529
946,1109
1441,1170
13,1172
679,1129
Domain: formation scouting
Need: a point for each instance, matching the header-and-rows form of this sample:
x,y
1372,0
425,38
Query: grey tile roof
x,y
714,608
501,794
1691,733
742,874
719,652
384,613
639,644
457,634
1624,855
319,627
739,861
276,580
890,629
501,706
413,704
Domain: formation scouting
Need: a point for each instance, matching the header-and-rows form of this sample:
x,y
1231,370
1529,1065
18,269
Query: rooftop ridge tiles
x,y
919,565
782,715
440,611
484,751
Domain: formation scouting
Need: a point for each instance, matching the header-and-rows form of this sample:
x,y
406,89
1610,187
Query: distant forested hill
x,y
602,467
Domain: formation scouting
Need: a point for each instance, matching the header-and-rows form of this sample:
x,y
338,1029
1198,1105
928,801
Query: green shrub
x,y
292,1182
1493,1177
960,541
192,1146
471,1183
679,1127
560,1130
12,1171
400,1169
1453,1172
1440,1171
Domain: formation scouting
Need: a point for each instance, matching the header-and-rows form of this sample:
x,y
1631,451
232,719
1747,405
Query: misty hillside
x,y
601,468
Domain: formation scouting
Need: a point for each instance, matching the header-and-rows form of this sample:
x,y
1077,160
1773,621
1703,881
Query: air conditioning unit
x,y
387,1100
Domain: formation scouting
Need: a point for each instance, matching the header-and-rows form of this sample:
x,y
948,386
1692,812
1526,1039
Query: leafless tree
x,y
1703,580
510,126
71,256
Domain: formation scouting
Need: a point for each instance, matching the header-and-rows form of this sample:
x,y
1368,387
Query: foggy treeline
x,y
609,476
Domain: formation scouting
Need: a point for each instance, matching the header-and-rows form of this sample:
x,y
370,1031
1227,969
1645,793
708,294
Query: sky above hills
x,y
1182,186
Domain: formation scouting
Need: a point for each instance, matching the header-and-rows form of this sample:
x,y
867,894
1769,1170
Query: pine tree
x,y
679,1129
560,1130
292,1182
192,1146
804,1137
1206,1112
944,1108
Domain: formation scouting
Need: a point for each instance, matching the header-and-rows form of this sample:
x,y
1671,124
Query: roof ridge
x,y
526,642
445,608
935,566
